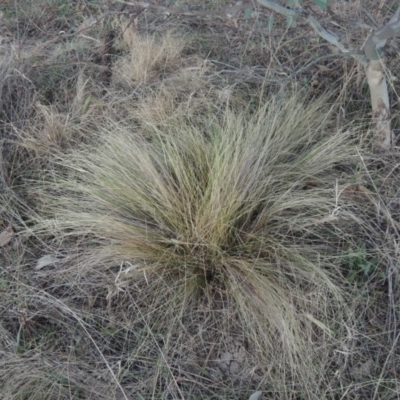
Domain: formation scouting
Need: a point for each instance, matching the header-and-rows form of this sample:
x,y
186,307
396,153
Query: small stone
x,y
239,356
224,361
360,371
226,357
234,368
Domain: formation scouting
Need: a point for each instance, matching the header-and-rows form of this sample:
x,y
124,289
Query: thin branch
x,y
318,28
325,34
388,31
329,36
167,10
342,20
377,40
322,58
370,16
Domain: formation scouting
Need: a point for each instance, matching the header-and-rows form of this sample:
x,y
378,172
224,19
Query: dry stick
x,y
377,78
167,10
342,20
329,36
377,40
319,59
371,60
325,34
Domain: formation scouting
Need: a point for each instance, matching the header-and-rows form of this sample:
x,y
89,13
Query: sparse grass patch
x,y
33,18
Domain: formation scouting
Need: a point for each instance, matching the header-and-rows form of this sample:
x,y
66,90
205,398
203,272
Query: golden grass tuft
x,y
243,206
148,56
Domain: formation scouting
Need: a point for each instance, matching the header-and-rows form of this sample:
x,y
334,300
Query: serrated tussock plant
x,y
244,202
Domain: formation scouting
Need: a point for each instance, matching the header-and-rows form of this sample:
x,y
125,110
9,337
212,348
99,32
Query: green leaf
x,y
323,4
3,285
291,3
86,104
271,21
291,22
248,12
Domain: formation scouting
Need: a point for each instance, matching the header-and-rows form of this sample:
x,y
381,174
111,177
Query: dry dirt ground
x,y
76,322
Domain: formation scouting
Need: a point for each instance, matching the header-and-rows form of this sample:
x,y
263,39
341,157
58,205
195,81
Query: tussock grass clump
x,y
243,206
148,56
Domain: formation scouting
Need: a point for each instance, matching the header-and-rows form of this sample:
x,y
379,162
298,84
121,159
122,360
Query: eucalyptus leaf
x,y
45,261
291,22
323,4
255,395
271,21
292,3
248,12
